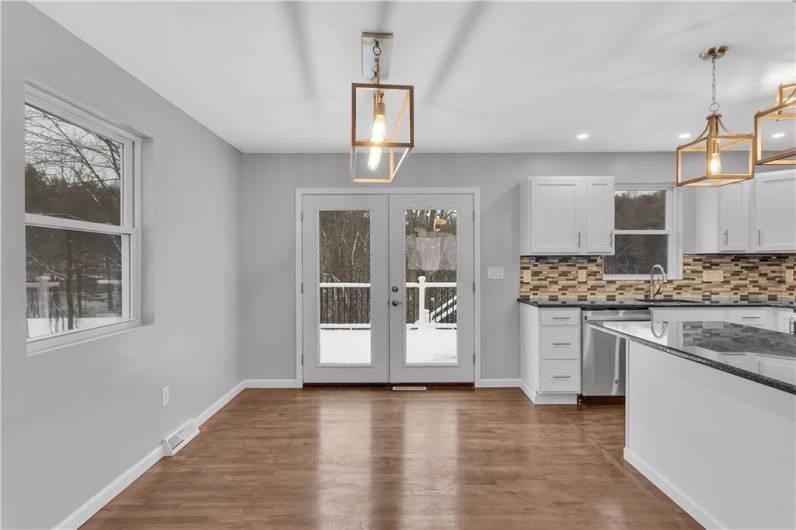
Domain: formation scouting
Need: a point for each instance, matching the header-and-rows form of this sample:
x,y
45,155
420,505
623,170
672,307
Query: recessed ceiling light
x,y
778,135
683,136
583,136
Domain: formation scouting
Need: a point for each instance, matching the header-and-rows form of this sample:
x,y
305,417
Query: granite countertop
x,y
639,304
724,346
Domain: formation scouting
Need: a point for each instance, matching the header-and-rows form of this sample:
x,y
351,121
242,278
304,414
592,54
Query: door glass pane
x,y
73,280
430,286
344,286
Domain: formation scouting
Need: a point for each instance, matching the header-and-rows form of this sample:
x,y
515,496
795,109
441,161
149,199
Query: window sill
x,y
75,338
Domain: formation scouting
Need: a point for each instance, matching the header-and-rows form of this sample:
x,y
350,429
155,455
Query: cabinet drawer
x,y
560,376
560,317
749,317
560,342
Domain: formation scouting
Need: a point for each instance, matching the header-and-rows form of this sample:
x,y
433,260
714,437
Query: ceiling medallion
x,y
382,116
699,162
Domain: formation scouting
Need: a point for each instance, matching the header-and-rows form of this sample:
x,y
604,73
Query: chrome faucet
x,y
656,284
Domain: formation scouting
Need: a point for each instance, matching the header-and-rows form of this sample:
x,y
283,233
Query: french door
x,y
388,288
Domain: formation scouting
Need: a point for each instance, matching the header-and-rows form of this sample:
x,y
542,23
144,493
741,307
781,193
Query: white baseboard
x,y
272,383
672,491
219,404
106,494
537,398
497,383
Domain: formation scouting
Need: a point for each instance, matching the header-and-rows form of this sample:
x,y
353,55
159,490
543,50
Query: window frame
x,y
672,229
129,221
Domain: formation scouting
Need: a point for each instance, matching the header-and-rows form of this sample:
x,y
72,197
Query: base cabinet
x,y
550,354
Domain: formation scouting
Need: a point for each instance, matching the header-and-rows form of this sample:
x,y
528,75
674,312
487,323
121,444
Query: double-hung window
x,y
645,233
81,223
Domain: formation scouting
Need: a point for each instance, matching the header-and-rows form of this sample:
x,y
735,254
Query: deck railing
x,y
348,303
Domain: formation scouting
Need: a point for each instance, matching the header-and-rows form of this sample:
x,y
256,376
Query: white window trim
x,y
674,252
129,227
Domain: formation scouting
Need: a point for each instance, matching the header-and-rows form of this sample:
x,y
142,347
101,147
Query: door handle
x,y
578,239
726,237
395,303
611,238
759,237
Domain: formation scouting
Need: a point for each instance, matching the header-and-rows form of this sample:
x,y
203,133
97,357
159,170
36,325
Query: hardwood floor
x,y
339,458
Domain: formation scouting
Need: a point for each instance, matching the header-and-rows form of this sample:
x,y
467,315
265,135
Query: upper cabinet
x,y
600,215
566,215
757,216
734,203
775,212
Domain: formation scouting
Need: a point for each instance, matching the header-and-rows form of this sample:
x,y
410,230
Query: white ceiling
x,y
489,77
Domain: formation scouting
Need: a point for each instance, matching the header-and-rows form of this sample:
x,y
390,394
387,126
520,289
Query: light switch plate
x,y
713,275
494,273
582,276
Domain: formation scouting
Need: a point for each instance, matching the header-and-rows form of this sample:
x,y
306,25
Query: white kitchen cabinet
x,y
786,320
756,216
760,317
775,212
777,368
550,354
600,215
734,202
562,216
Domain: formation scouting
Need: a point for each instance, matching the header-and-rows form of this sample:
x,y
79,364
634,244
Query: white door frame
x,y
476,195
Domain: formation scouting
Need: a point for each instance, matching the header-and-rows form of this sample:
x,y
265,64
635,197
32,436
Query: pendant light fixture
x,y
700,162
385,131
783,111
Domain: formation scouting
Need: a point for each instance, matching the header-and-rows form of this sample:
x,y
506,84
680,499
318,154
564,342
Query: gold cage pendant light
x,y
699,162
380,139
784,110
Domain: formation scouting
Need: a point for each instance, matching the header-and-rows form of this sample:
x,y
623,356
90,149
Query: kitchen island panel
x,y
722,447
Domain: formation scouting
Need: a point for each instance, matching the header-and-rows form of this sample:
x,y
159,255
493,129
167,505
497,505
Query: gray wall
x,y
268,227
73,419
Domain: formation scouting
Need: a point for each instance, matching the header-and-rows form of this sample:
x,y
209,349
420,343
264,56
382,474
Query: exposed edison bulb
x,y
715,163
377,134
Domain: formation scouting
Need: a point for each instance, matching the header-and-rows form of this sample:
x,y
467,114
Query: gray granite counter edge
x,y
763,380
632,304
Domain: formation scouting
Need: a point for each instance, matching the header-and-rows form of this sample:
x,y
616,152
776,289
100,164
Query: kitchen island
x,y
711,418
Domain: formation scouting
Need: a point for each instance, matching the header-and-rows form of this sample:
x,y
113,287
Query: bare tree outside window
x,y
641,232
74,277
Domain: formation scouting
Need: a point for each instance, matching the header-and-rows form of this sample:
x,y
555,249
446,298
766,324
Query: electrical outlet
x,y
790,277
165,396
582,275
713,275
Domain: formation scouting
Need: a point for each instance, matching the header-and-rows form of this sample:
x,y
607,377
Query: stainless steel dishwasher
x,y
604,355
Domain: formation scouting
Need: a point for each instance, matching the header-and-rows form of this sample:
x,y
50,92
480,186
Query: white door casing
x,y
389,328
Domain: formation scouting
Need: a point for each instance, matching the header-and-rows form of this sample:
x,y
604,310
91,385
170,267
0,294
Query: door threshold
x,y
395,386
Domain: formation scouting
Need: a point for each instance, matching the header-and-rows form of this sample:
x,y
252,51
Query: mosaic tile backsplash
x,y
705,277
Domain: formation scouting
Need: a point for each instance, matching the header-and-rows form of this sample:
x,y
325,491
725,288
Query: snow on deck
x,y
424,345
